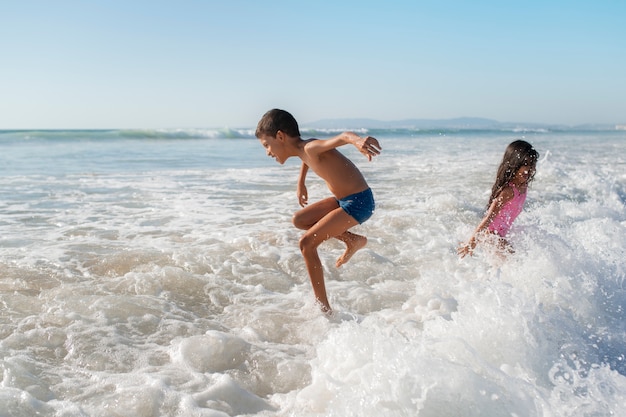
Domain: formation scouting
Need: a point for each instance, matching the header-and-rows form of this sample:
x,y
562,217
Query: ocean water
x,y
157,273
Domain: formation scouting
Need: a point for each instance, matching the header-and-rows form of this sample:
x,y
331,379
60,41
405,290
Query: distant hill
x,y
461,122
471,123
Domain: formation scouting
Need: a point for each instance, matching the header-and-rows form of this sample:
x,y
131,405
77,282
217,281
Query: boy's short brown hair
x,y
275,120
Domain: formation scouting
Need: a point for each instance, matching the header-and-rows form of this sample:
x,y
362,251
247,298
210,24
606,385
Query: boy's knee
x,y
307,242
297,222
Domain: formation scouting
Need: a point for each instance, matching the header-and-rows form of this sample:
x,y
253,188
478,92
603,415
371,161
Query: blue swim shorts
x,y
360,205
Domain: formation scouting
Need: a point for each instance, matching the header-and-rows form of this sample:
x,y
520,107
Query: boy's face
x,y
274,147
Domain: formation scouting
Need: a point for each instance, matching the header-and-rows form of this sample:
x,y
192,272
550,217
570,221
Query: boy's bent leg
x,y
335,223
305,218
353,243
308,216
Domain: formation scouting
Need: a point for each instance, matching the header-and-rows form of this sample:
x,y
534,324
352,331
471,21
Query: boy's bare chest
x,y
331,160
333,167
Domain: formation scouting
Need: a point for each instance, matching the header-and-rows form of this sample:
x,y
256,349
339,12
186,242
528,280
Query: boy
x,y
352,204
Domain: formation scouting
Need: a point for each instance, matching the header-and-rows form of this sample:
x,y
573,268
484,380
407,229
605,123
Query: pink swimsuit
x,y
503,221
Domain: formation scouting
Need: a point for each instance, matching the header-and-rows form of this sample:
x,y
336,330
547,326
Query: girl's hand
x,y
368,147
467,249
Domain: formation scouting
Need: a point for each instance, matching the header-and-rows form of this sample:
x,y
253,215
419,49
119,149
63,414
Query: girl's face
x,y
525,173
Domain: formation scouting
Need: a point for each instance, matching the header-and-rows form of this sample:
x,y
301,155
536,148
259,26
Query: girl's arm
x,y
301,190
368,146
496,205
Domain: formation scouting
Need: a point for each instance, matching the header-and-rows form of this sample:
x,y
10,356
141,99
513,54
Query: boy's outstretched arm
x,y
368,146
301,190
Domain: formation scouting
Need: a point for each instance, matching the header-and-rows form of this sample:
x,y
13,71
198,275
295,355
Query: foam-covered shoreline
x,y
178,288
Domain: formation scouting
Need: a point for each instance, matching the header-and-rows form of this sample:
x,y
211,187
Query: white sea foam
x,y
166,280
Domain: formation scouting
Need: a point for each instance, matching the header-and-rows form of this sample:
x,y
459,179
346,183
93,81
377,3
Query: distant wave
x,y
112,134
248,133
224,133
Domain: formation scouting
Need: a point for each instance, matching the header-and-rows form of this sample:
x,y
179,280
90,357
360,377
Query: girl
x,y
508,194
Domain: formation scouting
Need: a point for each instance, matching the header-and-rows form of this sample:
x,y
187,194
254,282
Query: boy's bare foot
x,y
353,245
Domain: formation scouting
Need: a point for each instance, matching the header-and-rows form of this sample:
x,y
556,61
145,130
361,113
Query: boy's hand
x,y
368,147
303,195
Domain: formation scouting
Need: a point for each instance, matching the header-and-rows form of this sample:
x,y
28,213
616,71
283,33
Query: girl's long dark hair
x,y
516,155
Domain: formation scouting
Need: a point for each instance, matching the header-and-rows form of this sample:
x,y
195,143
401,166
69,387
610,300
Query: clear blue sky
x,y
183,64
